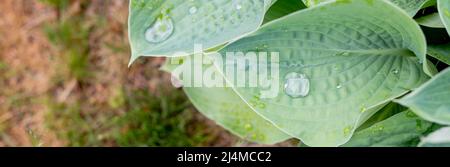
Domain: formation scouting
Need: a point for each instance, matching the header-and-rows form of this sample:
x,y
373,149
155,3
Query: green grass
x,y
148,121
72,38
129,117
58,4
157,121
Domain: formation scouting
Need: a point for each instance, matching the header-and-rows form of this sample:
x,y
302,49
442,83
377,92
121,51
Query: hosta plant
x,y
325,72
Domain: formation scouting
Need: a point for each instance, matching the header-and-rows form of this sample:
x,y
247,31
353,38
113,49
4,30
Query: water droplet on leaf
x,y
248,126
296,85
238,7
363,109
395,71
193,10
347,130
160,30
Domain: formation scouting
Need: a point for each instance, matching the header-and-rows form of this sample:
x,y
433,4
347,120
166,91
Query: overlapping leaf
x,y
439,138
444,12
401,130
226,108
410,6
432,20
353,62
432,100
167,27
440,52
282,8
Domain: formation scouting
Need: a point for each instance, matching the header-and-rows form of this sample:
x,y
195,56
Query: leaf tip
x,y
133,58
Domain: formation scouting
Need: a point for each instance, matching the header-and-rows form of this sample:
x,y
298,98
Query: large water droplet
x,y
193,10
296,85
160,30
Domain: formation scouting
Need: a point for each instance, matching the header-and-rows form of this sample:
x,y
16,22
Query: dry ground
x,y
64,81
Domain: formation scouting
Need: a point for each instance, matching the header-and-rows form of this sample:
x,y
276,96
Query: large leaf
x,y
440,52
169,27
439,138
354,62
444,12
410,6
432,100
401,130
227,109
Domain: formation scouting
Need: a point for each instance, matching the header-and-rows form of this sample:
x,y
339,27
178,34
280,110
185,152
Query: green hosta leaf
x,y
432,20
432,100
401,130
167,27
386,112
429,3
354,63
410,6
444,12
440,52
439,138
227,109
282,8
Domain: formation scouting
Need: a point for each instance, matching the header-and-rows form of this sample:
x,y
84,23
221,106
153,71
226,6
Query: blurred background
x,y
64,81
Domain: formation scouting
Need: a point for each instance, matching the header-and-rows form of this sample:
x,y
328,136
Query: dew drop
x,y
160,30
345,54
363,109
238,7
377,129
296,85
410,114
336,68
254,136
248,126
418,125
395,71
347,130
193,10
339,86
